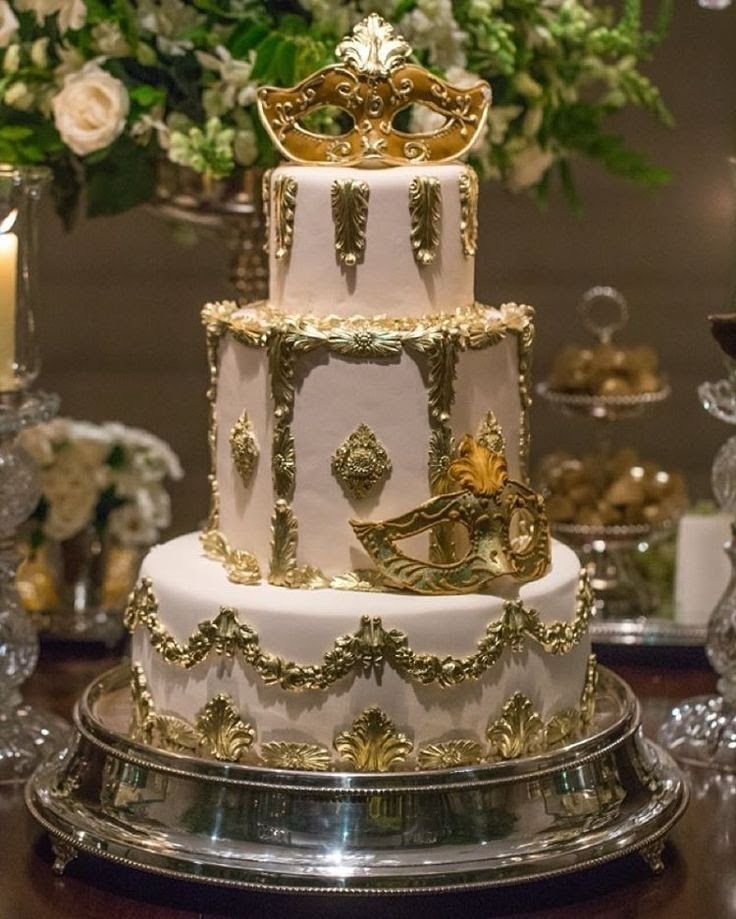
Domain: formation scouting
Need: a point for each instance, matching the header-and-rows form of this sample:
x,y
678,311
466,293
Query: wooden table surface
x,y
700,880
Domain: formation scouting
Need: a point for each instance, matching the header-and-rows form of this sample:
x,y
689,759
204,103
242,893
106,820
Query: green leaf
x,y
148,96
245,37
124,178
263,67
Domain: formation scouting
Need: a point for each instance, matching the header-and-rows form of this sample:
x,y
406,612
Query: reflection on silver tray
x,y
579,534
602,797
650,631
604,408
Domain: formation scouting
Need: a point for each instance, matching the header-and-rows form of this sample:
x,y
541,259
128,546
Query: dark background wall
x,y
120,316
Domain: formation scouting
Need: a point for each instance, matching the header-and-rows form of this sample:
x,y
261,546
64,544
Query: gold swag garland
x,y
365,651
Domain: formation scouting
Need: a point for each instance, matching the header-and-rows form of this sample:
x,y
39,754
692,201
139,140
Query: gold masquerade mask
x,y
372,86
506,526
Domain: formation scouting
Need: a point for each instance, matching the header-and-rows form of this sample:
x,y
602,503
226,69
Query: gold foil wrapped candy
x,y
619,490
606,370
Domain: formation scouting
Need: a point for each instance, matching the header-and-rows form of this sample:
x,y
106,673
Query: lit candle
x,y
8,294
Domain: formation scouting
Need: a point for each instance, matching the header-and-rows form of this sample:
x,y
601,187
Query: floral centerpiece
x,y
103,90
103,502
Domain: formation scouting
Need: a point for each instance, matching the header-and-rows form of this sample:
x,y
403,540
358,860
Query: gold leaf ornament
x,y
244,448
425,207
469,193
373,744
224,733
361,462
374,48
303,756
519,732
350,199
241,566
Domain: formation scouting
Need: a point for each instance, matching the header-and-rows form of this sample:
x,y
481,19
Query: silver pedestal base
x,y
607,795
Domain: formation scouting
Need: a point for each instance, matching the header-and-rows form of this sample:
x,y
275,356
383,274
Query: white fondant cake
x,y
346,397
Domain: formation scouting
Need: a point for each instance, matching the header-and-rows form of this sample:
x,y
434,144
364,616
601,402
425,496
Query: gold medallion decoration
x,y
367,650
283,195
361,462
374,744
469,192
303,756
425,207
244,448
350,199
374,83
505,520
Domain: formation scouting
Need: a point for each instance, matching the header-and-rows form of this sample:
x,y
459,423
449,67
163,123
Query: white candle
x,y
8,294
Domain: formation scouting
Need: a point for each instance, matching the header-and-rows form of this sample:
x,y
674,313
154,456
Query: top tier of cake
x,y
410,230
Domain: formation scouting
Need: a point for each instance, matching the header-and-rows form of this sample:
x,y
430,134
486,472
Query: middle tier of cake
x,y
316,421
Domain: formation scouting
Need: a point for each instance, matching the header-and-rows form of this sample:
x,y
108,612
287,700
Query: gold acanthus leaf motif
x,y
373,744
361,462
425,206
366,649
519,732
469,191
350,199
303,756
224,733
283,464
450,754
244,448
241,566
285,570
490,434
374,48
283,193
478,469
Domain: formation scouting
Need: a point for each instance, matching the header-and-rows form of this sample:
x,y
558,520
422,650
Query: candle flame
x,y
7,224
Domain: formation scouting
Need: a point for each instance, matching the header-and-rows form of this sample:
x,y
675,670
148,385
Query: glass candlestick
x,y
26,735
702,730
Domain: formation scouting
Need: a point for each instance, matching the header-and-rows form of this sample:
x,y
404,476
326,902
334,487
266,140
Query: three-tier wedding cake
x,y
376,587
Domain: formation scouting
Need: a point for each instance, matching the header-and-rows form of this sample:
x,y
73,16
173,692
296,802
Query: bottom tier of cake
x,y
356,681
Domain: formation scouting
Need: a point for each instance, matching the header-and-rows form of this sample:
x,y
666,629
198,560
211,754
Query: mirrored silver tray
x,y
648,631
608,794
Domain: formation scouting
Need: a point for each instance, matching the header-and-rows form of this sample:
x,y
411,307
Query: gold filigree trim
x,y
266,205
374,744
361,462
350,199
425,208
284,190
366,651
244,448
240,566
469,193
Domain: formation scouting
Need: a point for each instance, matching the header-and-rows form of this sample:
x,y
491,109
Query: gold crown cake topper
x,y
372,85
506,524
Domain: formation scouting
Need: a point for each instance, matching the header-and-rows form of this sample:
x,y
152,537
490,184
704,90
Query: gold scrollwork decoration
x,y
361,462
240,565
244,448
284,190
266,204
350,199
283,463
223,732
285,570
367,650
469,191
374,744
425,208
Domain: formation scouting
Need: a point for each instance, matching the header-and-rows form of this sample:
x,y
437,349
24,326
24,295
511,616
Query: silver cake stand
x,y
607,795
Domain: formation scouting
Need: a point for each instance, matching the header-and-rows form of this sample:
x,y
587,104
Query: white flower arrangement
x,y
108,476
102,92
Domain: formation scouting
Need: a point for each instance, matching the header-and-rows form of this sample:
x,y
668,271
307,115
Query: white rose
x,y
72,13
8,24
90,110
528,167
